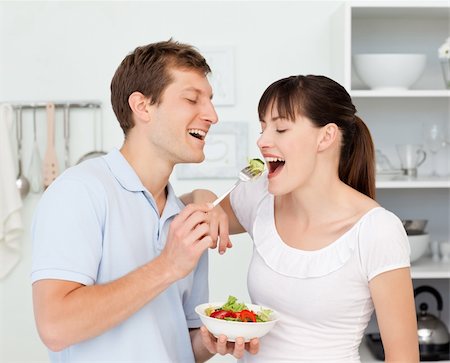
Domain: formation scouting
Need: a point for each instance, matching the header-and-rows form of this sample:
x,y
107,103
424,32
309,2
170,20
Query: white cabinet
x,y
400,117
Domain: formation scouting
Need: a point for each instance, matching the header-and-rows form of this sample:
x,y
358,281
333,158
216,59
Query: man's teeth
x,y
272,160
197,132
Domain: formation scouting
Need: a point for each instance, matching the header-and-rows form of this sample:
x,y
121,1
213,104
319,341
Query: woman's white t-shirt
x,y
322,296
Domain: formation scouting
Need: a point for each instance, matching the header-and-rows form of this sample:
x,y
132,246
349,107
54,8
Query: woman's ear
x,y
328,135
138,104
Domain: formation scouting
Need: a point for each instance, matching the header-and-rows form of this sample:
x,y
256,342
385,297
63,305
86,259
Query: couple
x,y
119,262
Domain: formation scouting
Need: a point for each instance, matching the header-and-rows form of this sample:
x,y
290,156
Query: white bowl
x,y
386,71
236,329
419,245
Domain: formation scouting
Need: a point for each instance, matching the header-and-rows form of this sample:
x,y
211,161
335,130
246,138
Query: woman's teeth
x,y
199,134
274,163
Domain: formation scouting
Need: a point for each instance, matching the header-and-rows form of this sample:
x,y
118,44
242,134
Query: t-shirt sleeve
x,y
67,234
383,244
245,199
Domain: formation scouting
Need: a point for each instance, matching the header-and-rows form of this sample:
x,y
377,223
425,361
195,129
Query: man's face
x,y
180,122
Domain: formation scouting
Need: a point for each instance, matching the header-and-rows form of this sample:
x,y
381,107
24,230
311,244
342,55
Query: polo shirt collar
x,y
123,172
129,180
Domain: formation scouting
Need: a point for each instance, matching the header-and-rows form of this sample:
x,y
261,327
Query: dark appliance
x,y
434,338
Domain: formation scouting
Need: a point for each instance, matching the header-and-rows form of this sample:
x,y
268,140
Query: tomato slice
x,y
247,316
222,314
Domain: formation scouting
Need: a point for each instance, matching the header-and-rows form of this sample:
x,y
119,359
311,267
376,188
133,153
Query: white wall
x,y
53,51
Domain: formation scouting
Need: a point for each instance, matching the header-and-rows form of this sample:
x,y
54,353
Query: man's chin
x,y
194,159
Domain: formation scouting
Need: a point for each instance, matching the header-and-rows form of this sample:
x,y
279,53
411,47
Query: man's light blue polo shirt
x,y
93,225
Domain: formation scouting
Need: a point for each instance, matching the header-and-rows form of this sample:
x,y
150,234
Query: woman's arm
x,y
393,297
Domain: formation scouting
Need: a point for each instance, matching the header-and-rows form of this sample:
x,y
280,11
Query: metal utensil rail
x,y
35,105
50,164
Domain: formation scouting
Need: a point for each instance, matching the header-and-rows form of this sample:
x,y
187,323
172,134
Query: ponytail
x,y
357,166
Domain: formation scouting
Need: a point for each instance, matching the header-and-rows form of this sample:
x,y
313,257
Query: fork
x,y
246,174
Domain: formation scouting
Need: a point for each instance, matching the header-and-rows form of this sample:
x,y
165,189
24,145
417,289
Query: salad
x,y
234,311
256,166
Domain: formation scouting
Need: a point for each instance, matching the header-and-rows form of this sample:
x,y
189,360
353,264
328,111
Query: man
x,y
118,264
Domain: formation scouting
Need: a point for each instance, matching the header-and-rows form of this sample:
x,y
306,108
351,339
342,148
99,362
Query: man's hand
x,y
187,239
217,217
222,346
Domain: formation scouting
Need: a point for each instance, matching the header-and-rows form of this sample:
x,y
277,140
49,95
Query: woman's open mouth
x,y
275,165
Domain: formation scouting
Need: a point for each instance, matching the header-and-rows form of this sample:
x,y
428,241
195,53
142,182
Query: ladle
x,y
97,152
22,182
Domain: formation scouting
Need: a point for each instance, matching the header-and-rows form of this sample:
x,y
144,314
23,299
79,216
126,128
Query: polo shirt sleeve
x,y
383,244
67,233
245,199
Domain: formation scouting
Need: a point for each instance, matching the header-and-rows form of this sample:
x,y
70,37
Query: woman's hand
x,y
218,229
222,346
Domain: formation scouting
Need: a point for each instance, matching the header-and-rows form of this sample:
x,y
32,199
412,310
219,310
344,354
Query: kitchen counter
x,y
367,357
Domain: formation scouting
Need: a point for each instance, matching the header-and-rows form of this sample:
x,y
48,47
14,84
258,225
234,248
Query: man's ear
x,y
138,104
327,136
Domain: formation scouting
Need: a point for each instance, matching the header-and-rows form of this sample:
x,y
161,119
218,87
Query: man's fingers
x,y
204,243
193,221
191,209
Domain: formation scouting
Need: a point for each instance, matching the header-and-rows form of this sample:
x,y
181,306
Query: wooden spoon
x,y
50,169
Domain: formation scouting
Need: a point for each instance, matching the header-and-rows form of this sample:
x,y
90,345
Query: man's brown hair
x,y
147,70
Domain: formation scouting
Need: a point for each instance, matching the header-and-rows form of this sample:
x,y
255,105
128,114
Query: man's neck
x,y
153,172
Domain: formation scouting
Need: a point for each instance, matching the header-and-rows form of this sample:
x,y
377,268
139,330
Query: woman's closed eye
x,y
280,131
190,100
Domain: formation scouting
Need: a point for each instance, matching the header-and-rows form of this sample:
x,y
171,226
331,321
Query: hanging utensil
x,y
35,168
66,135
98,129
50,160
22,182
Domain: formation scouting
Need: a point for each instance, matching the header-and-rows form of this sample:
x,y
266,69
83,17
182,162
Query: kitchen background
x,y
66,52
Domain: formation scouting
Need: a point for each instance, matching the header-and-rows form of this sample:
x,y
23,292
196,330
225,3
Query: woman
x,y
326,254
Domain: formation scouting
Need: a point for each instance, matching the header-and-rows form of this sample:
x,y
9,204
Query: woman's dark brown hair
x,y
324,101
147,70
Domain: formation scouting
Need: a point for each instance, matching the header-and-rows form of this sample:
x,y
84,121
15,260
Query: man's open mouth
x,y
198,134
274,163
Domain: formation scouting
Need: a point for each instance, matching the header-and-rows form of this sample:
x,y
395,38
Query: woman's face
x,y
290,150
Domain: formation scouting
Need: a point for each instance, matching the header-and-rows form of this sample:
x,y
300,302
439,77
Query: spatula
x,y
50,170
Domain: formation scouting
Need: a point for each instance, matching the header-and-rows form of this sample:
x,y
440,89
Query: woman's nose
x,y
263,141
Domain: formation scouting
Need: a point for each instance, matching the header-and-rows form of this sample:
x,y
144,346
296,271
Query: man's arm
x,y
68,312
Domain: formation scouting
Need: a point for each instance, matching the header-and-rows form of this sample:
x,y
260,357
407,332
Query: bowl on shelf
x,y
414,226
236,329
419,246
389,71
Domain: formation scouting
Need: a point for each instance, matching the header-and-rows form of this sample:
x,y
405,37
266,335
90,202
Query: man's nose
x,y
209,113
